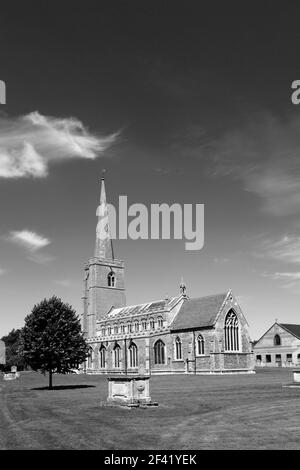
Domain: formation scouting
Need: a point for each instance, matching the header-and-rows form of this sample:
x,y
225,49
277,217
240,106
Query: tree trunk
x,y
50,379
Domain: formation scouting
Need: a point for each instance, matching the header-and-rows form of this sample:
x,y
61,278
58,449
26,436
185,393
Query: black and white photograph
x,y
150,228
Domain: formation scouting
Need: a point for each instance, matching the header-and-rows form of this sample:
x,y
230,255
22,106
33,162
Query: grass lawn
x,y
195,412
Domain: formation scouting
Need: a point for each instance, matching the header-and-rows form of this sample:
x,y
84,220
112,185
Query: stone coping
x,y
128,377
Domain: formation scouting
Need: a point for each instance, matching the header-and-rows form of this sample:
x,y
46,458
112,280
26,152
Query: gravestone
x,y
9,376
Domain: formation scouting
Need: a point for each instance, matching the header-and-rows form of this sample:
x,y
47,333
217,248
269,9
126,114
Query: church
x,y
176,335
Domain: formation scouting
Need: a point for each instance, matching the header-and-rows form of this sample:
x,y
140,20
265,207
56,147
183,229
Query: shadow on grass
x,y
63,387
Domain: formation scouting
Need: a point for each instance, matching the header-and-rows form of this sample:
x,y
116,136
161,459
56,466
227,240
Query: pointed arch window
x,y
159,352
277,340
231,331
178,348
122,328
102,356
152,324
133,355
144,325
111,279
91,358
200,345
116,329
137,326
117,355
160,322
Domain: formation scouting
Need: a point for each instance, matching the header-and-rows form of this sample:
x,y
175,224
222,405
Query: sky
x,y
180,102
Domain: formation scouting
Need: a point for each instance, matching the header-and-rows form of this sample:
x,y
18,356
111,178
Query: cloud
x,y
30,240
29,143
33,244
263,153
285,249
288,279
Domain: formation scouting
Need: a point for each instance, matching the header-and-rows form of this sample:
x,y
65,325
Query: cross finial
x,y
103,173
182,287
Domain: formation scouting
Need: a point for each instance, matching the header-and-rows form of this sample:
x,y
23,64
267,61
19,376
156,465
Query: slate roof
x,y
294,329
145,309
198,313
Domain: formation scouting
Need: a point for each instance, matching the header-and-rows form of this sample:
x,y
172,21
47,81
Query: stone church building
x,y
178,335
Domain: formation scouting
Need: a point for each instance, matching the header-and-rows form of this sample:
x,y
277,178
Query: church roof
x,y
198,313
294,329
145,309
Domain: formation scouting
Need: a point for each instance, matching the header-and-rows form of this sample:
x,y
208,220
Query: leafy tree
x,y
52,340
12,354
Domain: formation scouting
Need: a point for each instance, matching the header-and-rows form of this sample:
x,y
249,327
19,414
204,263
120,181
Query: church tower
x,y
104,275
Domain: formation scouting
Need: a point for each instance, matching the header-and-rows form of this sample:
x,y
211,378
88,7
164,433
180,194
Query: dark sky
x,y
200,93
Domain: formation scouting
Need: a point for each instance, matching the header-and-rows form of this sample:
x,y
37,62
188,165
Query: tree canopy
x,y
52,340
12,353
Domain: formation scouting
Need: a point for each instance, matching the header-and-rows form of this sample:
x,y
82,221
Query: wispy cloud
x,y
285,249
263,153
33,243
30,240
288,279
29,143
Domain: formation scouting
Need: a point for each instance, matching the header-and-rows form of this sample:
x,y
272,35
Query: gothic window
x,y
91,358
102,357
144,324
160,322
111,279
178,348
277,340
122,327
231,331
103,331
159,352
109,330
117,355
200,345
136,326
133,355
116,329
129,328
152,324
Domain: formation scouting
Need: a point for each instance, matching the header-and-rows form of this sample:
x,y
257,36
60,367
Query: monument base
x,y
129,390
296,378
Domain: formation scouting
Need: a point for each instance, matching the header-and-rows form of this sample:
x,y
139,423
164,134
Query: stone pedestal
x,y
296,376
129,390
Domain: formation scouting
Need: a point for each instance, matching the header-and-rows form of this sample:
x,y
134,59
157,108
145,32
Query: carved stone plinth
x,y
129,390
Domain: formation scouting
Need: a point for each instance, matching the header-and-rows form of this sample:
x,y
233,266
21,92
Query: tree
x,y
12,344
52,340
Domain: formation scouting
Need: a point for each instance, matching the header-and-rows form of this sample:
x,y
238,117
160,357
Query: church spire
x,y
104,246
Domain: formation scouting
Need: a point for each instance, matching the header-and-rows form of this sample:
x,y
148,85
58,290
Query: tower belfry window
x,y
111,279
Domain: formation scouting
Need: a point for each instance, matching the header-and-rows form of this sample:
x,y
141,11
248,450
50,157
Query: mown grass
x,y
195,412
